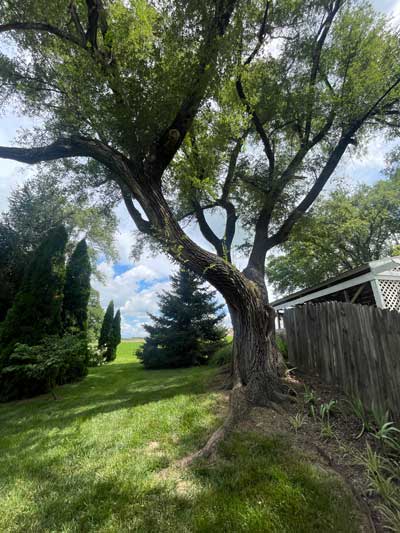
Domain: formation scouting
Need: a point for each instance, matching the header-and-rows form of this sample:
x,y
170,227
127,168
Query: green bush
x,y
33,370
36,311
223,356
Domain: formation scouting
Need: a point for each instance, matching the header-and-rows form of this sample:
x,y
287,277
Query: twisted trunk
x,y
255,361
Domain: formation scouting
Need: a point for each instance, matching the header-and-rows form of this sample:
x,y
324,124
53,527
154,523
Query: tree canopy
x,y
241,106
38,206
342,231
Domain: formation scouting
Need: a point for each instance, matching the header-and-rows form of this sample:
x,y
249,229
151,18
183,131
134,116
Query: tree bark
x,y
255,362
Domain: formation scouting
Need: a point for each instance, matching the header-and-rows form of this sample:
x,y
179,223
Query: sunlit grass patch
x,y
101,459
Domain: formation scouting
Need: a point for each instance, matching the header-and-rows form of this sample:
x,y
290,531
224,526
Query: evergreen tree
x,y
77,289
12,264
188,330
106,330
36,311
95,316
115,336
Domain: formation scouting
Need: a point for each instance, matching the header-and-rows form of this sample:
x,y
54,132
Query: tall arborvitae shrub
x,y
77,289
106,330
12,264
115,336
188,330
36,311
95,317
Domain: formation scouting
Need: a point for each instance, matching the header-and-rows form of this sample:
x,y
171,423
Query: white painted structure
x,y
376,283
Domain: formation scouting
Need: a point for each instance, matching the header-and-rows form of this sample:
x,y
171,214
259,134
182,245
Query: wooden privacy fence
x,y
356,347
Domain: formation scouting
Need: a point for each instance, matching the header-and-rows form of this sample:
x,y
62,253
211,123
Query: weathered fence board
x,y
356,347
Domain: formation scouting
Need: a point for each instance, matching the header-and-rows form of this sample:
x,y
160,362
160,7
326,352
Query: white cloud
x,y
135,291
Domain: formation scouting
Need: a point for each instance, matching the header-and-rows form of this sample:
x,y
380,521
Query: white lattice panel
x,y
390,290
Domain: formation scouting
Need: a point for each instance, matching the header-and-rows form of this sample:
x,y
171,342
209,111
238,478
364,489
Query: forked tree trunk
x,y
255,366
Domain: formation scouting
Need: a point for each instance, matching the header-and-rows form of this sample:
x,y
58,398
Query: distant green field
x,y
128,347
95,460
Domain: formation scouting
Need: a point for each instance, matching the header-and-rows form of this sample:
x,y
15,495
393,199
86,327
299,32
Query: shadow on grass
x,y
256,485
91,461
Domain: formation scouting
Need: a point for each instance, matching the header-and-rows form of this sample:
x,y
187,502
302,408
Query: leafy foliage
x,y
188,330
39,205
223,356
36,311
343,231
12,266
77,289
37,369
282,90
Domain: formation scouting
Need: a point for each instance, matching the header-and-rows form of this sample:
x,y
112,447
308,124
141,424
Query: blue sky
x,y
134,286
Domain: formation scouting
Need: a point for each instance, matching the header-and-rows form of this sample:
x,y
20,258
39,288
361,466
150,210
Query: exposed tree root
x,y
239,407
242,400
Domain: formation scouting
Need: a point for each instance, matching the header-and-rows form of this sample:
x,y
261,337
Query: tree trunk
x,y
255,362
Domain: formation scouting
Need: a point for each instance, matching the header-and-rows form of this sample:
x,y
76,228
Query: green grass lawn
x,y
95,461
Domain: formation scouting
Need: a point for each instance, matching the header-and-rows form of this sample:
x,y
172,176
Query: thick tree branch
x,y
63,147
96,19
230,229
77,22
171,139
233,159
206,230
41,27
74,146
283,233
316,59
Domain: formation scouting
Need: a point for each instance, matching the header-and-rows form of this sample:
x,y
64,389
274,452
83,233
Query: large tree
x,y
342,231
40,204
50,199
187,82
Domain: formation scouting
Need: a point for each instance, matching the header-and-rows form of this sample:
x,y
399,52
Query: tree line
x,y
345,229
50,316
